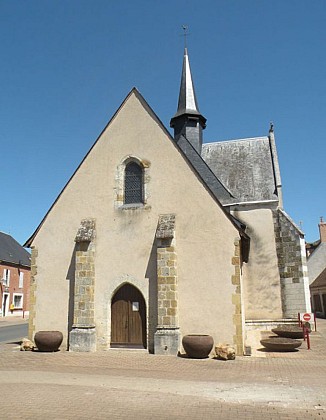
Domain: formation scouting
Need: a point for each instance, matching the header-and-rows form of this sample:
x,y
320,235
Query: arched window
x,y
133,184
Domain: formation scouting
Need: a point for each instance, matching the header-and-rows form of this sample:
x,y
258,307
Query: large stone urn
x,y
197,346
48,340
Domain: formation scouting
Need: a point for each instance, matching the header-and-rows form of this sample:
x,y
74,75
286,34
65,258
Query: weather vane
x,y
185,34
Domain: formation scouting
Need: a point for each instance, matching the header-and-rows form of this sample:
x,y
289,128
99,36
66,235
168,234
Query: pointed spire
x,y
184,121
187,97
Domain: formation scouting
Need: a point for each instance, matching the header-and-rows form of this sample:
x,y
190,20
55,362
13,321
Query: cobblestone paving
x,y
133,384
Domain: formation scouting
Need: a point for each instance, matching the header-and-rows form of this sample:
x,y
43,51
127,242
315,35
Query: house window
x,y
18,300
21,280
133,184
6,277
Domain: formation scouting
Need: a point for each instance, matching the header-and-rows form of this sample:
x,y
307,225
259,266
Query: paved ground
x,y
135,385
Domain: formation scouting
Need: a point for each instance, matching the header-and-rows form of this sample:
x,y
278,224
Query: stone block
x,y
166,303
235,260
172,311
82,340
162,311
171,279
174,303
173,271
171,295
236,299
167,342
235,280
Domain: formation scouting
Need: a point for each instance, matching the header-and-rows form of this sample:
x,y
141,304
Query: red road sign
x,y
307,317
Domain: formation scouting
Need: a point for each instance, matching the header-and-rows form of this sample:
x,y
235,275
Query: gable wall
x,y
124,244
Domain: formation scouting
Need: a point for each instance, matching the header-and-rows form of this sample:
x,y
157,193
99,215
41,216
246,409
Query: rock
x,y
27,345
225,352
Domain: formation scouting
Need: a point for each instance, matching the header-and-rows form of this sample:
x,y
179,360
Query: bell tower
x,y
188,121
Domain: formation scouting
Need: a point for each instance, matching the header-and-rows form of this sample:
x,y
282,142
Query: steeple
x,y
188,121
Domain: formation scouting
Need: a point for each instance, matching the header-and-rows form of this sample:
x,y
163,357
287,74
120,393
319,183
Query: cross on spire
x,y
185,33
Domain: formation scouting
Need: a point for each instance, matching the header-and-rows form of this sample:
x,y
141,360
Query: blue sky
x,y
66,66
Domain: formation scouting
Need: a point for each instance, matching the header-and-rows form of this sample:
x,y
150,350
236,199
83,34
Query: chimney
x,y
322,230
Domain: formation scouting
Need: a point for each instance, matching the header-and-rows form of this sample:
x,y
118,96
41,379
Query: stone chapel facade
x,y
155,237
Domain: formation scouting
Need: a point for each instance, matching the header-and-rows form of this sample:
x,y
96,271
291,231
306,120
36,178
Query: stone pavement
x,y
125,384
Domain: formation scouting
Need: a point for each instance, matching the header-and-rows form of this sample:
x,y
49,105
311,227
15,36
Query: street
x,y
13,332
125,384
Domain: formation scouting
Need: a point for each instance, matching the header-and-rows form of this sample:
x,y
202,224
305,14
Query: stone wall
x,y
292,265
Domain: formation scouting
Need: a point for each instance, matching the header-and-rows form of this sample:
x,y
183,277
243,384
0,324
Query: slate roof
x,y
12,252
244,166
320,280
217,188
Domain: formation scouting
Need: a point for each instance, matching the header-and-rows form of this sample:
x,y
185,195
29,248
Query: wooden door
x,y
128,318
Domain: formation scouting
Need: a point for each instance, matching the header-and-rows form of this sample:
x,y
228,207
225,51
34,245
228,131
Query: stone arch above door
x,y
128,318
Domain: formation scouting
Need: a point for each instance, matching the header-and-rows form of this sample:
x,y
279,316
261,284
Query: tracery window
x,y
133,186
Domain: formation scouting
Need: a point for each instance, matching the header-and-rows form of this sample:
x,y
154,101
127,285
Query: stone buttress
x,y
83,335
167,336
292,264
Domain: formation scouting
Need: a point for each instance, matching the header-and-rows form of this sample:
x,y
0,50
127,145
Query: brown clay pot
x,y
197,346
48,340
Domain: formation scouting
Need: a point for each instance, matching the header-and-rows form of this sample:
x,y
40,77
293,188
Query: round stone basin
x,y
280,344
289,331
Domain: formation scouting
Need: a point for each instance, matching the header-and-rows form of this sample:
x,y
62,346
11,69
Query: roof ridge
x,y
234,140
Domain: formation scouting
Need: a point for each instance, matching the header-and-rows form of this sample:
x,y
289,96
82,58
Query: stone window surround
x,y
120,187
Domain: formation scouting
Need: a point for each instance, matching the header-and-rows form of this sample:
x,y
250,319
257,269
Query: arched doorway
x,y
128,318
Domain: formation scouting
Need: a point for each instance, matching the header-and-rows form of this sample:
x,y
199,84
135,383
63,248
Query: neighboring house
x,y
316,270
15,271
155,237
316,252
318,294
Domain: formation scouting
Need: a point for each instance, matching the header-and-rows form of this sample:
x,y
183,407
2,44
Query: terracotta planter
x,y
48,340
197,346
281,344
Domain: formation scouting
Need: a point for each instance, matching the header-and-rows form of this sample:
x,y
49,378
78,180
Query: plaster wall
x,y
261,279
124,246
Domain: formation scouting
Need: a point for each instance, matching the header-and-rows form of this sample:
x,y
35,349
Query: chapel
x,y
157,236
